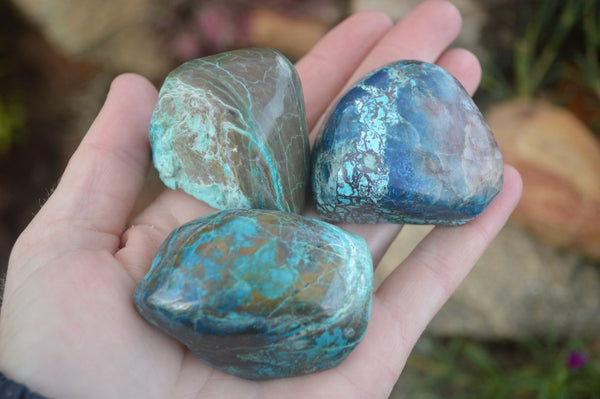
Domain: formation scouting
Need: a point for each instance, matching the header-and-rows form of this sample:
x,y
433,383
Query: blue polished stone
x,y
229,129
406,144
261,294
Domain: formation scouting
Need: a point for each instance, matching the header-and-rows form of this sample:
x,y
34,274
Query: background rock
x,y
519,288
117,34
192,29
151,37
559,160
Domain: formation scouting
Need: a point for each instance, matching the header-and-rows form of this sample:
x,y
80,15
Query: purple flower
x,y
576,360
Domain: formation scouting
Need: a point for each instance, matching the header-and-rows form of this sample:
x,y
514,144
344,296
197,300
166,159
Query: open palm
x,y
68,326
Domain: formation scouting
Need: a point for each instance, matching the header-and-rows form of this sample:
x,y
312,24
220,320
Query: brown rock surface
x,y
114,33
559,160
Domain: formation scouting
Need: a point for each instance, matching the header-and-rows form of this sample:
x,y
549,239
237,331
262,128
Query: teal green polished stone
x,y
230,130
261,294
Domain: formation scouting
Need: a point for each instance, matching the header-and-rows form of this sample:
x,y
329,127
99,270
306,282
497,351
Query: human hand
x,y
68,326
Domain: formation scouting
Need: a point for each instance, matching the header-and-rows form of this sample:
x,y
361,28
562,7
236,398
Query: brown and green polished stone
x,y
230,130
259,293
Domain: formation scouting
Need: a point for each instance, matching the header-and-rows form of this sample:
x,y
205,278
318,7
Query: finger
x,y
325,69
108,169
466,68
410,297
140,242
447,254
423,34
415,291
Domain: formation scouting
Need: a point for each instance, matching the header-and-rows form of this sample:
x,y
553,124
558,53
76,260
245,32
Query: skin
x,y
68,327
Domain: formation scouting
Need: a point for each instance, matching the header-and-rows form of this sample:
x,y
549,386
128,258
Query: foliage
x,y
590,61
553,35
12,123
531,66
536,369
552,51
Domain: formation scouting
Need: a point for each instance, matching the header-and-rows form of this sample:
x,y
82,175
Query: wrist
x,y
15,390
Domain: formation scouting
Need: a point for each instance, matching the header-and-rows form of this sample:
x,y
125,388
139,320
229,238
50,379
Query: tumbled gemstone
x,y
406,144
230,130
261,294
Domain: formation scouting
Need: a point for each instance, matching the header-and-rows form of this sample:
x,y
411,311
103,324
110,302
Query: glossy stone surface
x,y
261,294
229,128
405,145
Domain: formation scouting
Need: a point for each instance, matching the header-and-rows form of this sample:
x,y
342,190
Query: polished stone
x,y
261,294
406,144
230,130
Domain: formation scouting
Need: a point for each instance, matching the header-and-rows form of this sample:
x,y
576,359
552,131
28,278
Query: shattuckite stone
x,y
261,294
406,144
230,130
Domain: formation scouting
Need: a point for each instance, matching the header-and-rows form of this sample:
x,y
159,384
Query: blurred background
x,y
526,322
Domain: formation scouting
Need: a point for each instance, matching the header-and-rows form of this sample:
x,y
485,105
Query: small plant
x,y
532,60
554,37
590,63
546,369
12,123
